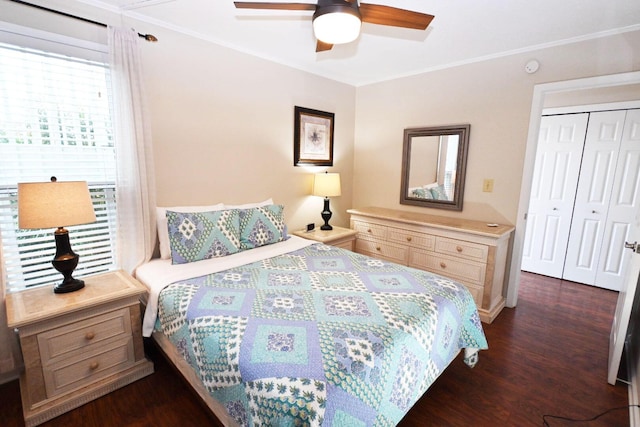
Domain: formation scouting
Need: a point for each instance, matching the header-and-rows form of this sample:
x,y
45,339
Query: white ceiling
x,y
463,31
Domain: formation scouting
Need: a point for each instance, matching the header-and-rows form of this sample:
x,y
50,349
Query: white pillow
x,y
163,228
250,205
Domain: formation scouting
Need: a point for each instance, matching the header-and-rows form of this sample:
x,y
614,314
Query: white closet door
x,y
624,206
601,148
555,179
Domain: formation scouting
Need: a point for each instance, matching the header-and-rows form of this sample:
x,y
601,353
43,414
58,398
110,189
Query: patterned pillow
x,y
421,193
439,193
261,226
194,236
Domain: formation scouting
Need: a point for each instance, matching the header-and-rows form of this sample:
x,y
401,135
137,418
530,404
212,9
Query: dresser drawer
x,y
79,335
413,239
384,250
370,231
466,271
462,249
87,367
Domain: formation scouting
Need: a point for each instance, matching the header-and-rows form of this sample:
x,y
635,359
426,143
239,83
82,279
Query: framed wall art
x,y
313,137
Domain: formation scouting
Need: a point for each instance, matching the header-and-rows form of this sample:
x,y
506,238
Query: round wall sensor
x,y
532,66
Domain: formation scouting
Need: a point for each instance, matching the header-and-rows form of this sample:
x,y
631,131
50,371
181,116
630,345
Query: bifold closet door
x,y
624,208
595,183
555,179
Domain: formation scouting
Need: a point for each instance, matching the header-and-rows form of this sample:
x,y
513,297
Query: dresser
x,y
77,346
473,253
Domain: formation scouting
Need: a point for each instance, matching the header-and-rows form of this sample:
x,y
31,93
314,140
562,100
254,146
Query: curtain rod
x,y
147,37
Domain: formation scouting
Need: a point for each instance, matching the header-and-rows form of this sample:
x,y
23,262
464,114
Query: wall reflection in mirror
x,y
434,165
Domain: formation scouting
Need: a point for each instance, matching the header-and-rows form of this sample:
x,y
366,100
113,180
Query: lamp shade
x,y
54,204
337,27
326,184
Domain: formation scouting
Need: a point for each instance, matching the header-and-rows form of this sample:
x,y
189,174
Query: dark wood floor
x,y
547,356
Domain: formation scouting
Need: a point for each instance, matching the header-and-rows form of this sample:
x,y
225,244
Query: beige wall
x,y
223,128
495,97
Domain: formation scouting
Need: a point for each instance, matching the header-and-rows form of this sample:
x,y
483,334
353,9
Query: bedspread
x,y
319,336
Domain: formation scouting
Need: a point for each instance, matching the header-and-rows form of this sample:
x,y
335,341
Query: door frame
x,y
537,103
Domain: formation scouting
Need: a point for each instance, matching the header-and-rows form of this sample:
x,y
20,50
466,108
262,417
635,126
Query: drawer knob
x,y
369,230
94,365
459,248
89,336
443,265
378,248
408,239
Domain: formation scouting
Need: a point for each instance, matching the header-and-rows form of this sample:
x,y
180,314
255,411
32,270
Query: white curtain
x,y
135,184
9,349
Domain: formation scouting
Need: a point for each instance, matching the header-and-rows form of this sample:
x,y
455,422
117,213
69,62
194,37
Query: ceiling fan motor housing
x,y
336,21
337,6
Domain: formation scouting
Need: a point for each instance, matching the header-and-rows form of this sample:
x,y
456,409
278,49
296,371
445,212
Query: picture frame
x,y
313,137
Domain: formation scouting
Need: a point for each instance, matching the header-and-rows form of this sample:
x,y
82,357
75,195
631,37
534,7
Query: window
x,y
55,120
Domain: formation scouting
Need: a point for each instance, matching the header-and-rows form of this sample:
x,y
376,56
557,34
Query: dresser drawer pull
x,y
459,248
378,248
443,265
89,336
369,230
408,239
93,366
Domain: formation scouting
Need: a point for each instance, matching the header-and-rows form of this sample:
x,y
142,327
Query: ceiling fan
x,y
339,21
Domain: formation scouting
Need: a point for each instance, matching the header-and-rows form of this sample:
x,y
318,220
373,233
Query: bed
x,y
293,332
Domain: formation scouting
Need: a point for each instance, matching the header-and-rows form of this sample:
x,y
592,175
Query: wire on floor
x,y
545,423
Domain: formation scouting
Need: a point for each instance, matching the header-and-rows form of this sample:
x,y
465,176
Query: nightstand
x,y
340,237
77,346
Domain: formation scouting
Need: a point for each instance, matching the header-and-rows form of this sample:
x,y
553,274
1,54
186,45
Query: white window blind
x,y
55,120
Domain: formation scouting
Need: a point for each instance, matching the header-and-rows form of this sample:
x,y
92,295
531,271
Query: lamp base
x,y
326,215
68,286
65,262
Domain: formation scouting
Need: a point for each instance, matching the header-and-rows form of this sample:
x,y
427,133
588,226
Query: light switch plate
x,y
487,186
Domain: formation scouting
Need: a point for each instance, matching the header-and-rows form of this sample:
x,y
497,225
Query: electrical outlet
x,y
487,186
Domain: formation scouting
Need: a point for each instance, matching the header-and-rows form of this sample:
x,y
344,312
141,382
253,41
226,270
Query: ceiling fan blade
x,y
392,16
322,46
281,6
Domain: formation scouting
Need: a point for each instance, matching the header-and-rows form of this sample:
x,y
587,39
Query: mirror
x,y
434,162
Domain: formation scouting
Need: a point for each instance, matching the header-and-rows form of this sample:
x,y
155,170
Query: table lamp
x,y
326,185
57,204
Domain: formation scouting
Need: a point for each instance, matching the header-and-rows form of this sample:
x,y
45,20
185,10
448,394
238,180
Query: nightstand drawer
x,y
86,367
67,339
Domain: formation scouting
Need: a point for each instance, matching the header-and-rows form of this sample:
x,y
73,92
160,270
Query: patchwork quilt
x,y
320,336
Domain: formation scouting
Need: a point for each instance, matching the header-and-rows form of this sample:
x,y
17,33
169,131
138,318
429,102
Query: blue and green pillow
x,y
439,193
261,226
195,236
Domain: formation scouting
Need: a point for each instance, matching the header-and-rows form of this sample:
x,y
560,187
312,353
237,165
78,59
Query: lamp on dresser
x,y
57,204
326,185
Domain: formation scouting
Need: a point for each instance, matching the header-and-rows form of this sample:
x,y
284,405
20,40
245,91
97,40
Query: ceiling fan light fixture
x,y
337,27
